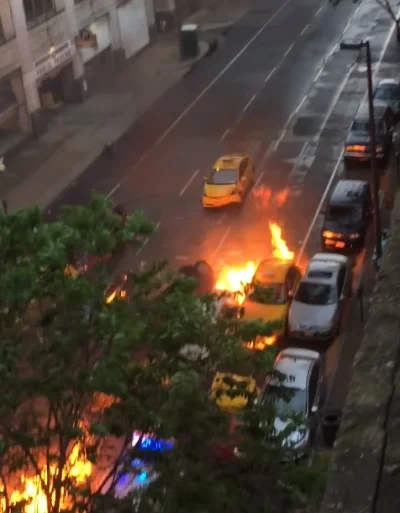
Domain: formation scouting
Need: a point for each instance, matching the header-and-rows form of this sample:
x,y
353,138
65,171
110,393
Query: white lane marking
x,y
338,359
113,190
225,134
319,10
221,242
288,121
189,181
146,241
288,50
319,73
270,74
221,219
209,86
319,208
249,102
305,29
259,178
335,170
334,101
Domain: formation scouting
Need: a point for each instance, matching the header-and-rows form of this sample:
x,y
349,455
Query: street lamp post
x,y
374,169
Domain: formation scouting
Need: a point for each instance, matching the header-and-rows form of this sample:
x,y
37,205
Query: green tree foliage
x,y
78,375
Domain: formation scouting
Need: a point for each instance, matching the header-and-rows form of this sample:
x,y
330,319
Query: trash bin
x,y
189,41
330,423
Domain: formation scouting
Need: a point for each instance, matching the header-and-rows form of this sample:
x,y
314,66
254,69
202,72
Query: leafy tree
x,y
79,374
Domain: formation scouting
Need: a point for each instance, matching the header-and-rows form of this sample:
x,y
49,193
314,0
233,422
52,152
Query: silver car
x,y
318,303
298,392
388,92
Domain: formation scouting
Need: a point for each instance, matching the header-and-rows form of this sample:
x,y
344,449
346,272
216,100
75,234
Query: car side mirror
x,y
290,294
314,409
342,297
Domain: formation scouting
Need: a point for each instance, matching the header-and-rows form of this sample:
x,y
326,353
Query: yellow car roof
x,y
225,401
272,271
230,161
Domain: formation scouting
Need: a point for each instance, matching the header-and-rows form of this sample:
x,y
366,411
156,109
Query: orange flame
x,y
281,251
264,197
281,197
235,280
78,469
260,343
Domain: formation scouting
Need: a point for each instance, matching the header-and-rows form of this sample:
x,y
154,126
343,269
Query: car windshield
x,y
287,400
223,177
387,92
313,293
267,294
363,126
344,214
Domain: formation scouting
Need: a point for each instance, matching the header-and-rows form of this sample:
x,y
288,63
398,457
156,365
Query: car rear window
x,y
325,275
363,126
223,177
344,213
387,92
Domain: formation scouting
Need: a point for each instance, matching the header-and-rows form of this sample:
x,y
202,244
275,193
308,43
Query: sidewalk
x,y
78,132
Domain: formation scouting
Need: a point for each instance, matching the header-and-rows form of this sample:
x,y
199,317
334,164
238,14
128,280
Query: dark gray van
x,y
348,216
357,147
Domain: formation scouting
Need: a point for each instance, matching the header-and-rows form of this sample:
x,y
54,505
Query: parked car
x,y
388,92
318,304
348,216
268,295
358,144
297,391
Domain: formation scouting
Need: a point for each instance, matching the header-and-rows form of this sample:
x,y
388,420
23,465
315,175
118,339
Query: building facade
x,y
54,51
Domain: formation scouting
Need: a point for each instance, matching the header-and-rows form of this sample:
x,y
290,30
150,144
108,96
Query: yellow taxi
x,y
231,177
231,391
269,294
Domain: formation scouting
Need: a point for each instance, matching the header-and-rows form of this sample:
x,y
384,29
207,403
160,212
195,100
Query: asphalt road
x,y
267,91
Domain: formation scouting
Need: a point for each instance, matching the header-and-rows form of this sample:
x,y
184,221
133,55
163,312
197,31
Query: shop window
x,y
38,11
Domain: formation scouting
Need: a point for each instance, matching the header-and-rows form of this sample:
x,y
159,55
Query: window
x,y
287,400
268,294
313,293
37,11
344,214
223,177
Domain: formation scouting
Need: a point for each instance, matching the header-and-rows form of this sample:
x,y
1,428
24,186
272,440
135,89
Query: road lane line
x,y
270,74
319,208
113,190
334,101
288,121
147,239
335,170
208,87
288,50
249,102
189,181
305,29
278,65
319,10
259,178
221,242
225,134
